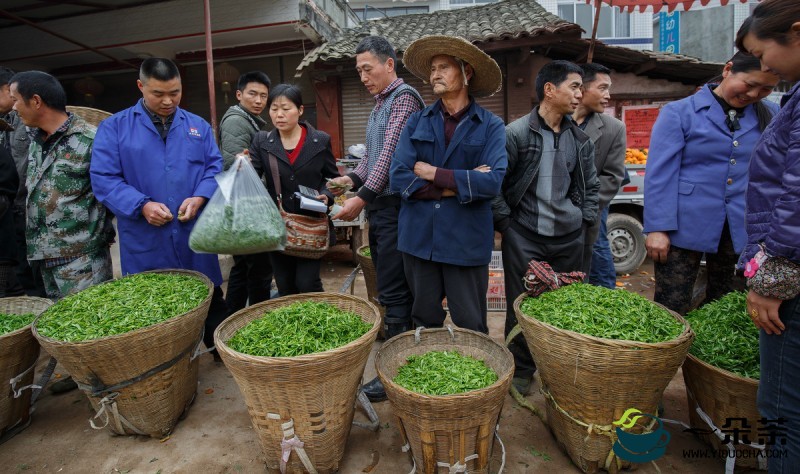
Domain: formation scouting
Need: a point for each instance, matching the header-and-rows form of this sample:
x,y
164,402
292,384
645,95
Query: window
x,y
375,12
613,23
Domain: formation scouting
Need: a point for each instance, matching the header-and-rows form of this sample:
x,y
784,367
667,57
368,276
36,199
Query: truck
x,y
624,226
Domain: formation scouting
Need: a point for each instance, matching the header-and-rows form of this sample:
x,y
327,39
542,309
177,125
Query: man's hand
x,y
190,207
483,168
424,170
657,245
156,214
351,209
337,186
763,310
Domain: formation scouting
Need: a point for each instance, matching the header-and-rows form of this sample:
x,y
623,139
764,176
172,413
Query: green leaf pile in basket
x,y
11,322
366,252
601,312
298,329
444,373
121,306
725,337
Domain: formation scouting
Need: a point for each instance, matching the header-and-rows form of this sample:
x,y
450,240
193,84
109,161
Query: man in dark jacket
x,y
250,279
9,183
14,139
608,135
549,195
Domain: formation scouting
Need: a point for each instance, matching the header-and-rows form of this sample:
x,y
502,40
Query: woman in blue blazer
x,y
695,181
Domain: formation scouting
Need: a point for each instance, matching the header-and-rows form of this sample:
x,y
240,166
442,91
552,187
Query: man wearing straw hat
x,y
550,194
448,166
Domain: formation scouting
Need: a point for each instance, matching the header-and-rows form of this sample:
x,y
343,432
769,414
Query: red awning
x,y
670,5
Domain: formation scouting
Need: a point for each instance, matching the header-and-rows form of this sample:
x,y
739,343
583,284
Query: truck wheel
x,y
627,242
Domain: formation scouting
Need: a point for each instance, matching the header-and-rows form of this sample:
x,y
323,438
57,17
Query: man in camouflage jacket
x,y
68,231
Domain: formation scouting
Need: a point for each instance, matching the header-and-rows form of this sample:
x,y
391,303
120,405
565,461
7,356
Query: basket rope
x,y
291,442
43,379
18,378
109,405
97,389
592,428
730,460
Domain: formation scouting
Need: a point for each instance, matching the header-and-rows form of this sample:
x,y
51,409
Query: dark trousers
x,y
517,252
393,289
778,391
464,287
676,277
217,313
250,280
32,284
295,275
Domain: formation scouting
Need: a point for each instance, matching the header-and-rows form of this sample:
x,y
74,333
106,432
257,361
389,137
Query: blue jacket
x,y
456,230
132,165
696,173
773,212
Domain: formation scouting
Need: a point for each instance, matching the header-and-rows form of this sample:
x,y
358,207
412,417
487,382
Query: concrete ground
x,y
217,436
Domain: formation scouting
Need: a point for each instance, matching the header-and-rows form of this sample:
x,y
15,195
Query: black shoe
x,y
374,390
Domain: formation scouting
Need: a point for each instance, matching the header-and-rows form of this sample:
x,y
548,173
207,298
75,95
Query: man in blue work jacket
x,y
153,166
448,166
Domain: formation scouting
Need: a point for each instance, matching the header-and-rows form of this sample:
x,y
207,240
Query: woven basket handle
x,y
420,328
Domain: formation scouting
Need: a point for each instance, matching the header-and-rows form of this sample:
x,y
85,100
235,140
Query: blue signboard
x,y
669,25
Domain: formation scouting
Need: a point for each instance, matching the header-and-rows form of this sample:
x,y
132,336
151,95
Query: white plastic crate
x,y
496,291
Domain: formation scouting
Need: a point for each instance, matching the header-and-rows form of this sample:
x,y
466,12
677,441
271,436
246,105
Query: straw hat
x,y
487,78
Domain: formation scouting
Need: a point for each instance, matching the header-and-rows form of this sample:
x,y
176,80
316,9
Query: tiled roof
x,y
505,19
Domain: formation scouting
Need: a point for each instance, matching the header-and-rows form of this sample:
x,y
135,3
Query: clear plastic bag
x,y
241,217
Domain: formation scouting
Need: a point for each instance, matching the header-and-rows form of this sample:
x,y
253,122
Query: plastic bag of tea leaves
x,y
240,218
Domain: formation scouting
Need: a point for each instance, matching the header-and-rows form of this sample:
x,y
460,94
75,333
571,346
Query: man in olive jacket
x,y
549,193
250,279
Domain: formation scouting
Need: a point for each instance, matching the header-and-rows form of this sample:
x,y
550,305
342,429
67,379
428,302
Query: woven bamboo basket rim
x,y
358,252
254,312
687,332
34,300
726,373
89,114
501,380
136,332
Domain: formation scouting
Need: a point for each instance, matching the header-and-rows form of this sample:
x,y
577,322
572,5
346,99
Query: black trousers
x,y
217,313
517,252
676,277
393,289
464,287
295,275
31,283
250,280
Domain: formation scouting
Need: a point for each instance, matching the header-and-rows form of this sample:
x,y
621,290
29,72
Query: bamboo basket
x,y
723,395
147,376
590,381
308,399
371,280
92,116
455,430
18,354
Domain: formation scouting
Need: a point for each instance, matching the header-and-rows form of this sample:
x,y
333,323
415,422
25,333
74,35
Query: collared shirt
x,y
451,122
47,142
162,126
375,178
